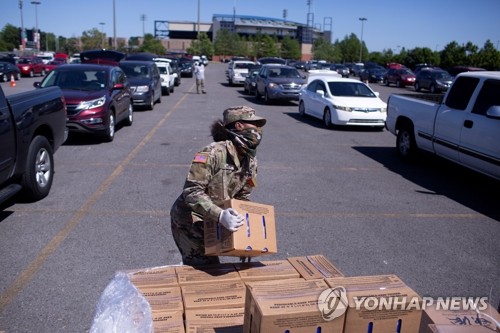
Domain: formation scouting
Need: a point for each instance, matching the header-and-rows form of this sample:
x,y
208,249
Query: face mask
x,y
248,139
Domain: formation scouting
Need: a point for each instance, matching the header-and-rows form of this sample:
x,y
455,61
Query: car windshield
x,y
442,75
284,73
350,89
90,80
163,70
25,61
243,65
135,70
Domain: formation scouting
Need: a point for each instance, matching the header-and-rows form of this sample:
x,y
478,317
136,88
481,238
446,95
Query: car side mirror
x,y
320,92
493,112
36,84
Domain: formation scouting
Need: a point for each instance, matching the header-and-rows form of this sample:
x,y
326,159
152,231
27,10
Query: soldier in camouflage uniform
x,y
225,169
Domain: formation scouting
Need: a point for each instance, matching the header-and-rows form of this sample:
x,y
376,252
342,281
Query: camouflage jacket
x,y
216,174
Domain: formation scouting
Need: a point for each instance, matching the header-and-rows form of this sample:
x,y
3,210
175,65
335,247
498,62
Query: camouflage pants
x,y
189,238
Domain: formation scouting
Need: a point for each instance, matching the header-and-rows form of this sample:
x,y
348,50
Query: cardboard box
x,y
315,267
168,322
266,270
156,276
469,317
215,320
162,298
214,295
257,237
206,274
457,329
287,306
402,315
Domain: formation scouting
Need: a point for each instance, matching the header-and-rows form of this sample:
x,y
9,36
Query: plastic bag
x,y
122,309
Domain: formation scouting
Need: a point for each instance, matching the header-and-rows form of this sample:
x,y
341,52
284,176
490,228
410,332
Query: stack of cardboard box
x,y
282,296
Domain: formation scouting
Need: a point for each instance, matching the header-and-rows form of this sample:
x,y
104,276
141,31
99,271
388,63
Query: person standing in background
x,y
199,74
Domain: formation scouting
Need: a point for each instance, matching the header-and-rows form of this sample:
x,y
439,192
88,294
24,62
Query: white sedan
x,y
342,101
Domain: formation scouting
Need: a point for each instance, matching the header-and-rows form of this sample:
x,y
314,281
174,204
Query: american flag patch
x,y
200,158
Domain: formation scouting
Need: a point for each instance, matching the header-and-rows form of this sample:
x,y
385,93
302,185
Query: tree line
x,y
229,44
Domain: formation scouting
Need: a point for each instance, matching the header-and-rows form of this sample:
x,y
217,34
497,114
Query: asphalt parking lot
x,y
342,193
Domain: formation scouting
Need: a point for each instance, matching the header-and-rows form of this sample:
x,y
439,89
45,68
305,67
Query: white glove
x,y
231,220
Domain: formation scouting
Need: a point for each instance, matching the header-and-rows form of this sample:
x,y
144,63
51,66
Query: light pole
x,y
36,3
23,33
114,25
102,33
362,19
143,19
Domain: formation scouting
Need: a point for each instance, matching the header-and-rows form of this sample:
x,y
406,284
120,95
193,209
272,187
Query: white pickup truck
x,y
463,126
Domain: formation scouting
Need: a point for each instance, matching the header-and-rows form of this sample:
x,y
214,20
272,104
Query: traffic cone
x,y
12,81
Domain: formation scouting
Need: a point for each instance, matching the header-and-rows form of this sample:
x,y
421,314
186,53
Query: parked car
x,y
341,69
97,97
341,101
454,71
176,71
166,75
31,66
103,57
52,64
7,70
401,77
145,82
375,74
238,70
434,80
279,82
32,129
187,67
249,83
271,60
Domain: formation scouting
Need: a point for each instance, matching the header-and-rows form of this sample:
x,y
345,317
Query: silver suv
x,y
279,82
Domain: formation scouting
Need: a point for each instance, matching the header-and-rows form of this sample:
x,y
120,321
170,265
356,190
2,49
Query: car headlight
x,y
87,105
343,108
142,89
273,85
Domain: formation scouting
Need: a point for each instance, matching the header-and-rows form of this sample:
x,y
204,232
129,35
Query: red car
x,y
31,66
401,77
53,64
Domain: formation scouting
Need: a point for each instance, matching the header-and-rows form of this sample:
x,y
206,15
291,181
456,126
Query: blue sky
x,y
390,24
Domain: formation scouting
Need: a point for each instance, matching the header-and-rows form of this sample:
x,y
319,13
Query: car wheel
x,y
405,142
158,100
386,82
151,105
110,131
18,76
417,86
432,88
167,91
257,96
32,74
4,78
327,118
267,98
37,180
398,84
171,89
42,73
302,109
130,115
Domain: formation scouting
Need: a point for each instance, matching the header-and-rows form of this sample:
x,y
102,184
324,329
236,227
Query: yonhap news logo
x,y
333,303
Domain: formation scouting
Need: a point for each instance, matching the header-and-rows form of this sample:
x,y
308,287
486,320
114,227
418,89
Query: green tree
x,y
69,46
10,38
348,49
453,54
421,55
223,42
324,50
152,45
92,39
201,46
488,57
290,48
